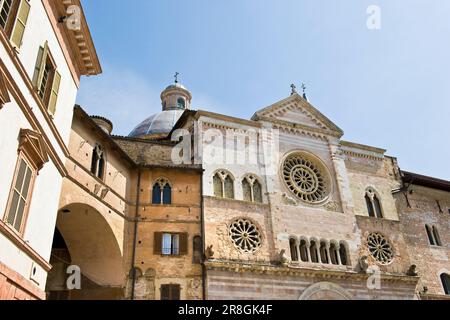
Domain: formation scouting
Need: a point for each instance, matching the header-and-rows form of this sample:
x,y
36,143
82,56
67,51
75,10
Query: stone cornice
x,y
271,269
80,41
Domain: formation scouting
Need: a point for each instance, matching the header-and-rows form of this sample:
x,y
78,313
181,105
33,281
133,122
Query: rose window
x,y
306,178
245,235
380,248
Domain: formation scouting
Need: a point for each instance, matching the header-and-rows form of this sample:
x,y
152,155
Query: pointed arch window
x,y
373,203
223,184
445,279
162,192
98,163
252,189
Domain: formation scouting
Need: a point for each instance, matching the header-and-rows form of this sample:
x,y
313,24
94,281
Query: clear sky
x,y
388,88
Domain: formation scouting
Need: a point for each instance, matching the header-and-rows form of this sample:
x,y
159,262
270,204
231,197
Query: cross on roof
x,y
176,76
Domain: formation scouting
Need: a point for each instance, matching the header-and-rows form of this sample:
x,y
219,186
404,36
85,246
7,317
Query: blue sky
x,y
388,88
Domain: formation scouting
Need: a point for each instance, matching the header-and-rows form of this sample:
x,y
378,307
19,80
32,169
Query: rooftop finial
x,y
304,91
294,89
176,76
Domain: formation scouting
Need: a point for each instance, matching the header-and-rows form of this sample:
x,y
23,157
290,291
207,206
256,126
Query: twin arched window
x,y
98,162
162,192
223,183
373,204
433,236
252,189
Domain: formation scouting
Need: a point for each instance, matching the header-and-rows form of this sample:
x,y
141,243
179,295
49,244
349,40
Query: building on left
x,y
46,48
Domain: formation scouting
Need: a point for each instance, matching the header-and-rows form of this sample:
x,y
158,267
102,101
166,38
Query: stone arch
x,y
92,244
325,291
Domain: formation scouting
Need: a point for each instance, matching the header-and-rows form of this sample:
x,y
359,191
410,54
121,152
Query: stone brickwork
x,y
418,207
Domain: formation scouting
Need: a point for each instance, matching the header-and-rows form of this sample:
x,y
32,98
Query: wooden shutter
x,y
175,292
157,243
183,244
165,292
20,24
40,66
54,93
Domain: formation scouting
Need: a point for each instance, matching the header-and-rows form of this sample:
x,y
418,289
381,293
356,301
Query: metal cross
x,y
176,76
304,88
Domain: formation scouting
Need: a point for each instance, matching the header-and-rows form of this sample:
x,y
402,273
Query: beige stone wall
x,y
431,261
183,216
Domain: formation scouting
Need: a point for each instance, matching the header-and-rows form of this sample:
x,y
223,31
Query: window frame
x,y
164,186
223,175
34,172
171,288
12,16
445,283
374,204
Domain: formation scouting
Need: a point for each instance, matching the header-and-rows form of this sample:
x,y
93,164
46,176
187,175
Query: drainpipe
x,y
202,222
136,219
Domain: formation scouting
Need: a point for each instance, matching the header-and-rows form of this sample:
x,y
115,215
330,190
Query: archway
x,y
84,238
325,291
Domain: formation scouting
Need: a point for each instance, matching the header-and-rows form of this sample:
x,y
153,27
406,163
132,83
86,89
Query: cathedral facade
x,y
193,204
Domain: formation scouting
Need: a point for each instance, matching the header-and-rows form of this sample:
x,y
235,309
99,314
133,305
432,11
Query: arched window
x,y
223,184
252,190
373,203
98,162
430,235
304,251
445,279
197,249
293,247
433,235
314,252
324,252
162,192
181,103
437,238
334,254
343,255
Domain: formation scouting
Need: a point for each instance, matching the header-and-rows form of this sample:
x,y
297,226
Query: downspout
x,y
136,219
202,222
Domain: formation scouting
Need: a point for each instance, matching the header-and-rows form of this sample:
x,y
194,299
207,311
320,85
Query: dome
x,y
160,123
175,99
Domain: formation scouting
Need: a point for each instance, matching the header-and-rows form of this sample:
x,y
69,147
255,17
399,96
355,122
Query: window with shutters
x,y
4,94
20,195
13,19
170,244
32,157
170,292
46,79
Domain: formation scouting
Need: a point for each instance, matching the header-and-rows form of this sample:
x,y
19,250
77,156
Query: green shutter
x,y
54,93
40,66
21,22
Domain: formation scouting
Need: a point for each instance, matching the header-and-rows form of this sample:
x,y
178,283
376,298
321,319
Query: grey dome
x,y
160,123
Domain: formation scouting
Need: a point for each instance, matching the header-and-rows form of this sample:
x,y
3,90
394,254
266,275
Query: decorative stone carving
x,y
380,248
193,290
306,177
209,252
332,206
412,271
363,264
245,235
289,200
284,258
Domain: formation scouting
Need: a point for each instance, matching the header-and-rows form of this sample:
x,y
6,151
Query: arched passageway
x,y
84,238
